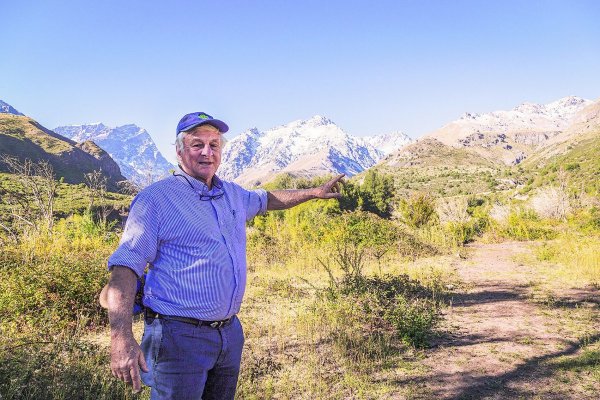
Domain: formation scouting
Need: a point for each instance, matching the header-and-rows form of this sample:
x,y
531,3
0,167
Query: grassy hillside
x,y
577,166
24,138
430,166
33,137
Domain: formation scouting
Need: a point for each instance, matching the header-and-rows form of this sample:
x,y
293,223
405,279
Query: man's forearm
x,y
120,298
283,199
126,358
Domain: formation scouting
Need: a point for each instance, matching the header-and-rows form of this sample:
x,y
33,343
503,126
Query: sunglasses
x,y
204,197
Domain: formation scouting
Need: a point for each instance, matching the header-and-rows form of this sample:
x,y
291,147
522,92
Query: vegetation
x,y
337,290
576,170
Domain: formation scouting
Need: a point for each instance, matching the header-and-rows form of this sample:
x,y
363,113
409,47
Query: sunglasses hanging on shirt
x,y
203,196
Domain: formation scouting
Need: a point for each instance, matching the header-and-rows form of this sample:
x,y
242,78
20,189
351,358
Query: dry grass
x,y
571,261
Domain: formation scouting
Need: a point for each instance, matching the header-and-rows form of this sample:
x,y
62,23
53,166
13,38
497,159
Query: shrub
x,y
464,232
48,301
524,224
417,210
51,280
587,220
372,313
378,193
375,194
379,309
551,202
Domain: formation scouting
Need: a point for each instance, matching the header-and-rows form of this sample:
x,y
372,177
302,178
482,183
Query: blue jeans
x,y
189,362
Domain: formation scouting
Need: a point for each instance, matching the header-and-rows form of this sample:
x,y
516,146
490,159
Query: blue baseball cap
x,y
195,119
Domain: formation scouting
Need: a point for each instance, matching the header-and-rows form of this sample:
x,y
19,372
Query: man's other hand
x,y
126,359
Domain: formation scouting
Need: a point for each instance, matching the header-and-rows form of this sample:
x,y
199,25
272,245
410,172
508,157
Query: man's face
x,y
201,153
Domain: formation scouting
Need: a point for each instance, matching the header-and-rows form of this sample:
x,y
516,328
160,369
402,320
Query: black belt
x,y
151,314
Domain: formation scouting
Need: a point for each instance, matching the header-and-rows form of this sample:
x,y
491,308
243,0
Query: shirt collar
x,y
197,184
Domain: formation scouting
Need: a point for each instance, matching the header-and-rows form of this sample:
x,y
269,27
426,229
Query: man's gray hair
x,y
182,135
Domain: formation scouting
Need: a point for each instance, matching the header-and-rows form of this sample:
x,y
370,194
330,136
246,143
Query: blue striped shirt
x,y
195,249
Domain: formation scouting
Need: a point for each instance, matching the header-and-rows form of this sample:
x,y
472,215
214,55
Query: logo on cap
x,y
203,116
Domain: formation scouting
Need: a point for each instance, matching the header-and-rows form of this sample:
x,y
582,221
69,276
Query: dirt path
x,y
508,339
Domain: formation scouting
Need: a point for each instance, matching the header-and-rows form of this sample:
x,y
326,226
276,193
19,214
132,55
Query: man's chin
x,y
204,176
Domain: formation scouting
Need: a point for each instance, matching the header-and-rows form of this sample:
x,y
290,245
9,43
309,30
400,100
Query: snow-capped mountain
x,y
510,136
129,145
305,147
388,142
8,109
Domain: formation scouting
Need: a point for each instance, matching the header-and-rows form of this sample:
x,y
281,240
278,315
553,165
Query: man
x,y
190,230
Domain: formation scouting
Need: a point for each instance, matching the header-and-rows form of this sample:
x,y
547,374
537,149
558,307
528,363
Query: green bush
x,y
587,220
374,195
418,210
52,280
524,224
460,232
380,311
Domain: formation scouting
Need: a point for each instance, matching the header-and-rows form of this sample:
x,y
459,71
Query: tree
x,y
32,201
378,193
383,233
375,195
96,183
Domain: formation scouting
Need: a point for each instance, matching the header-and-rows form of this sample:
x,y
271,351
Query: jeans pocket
x,y
151,345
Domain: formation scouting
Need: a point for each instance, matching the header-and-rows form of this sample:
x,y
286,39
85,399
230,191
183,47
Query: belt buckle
x,y
216,324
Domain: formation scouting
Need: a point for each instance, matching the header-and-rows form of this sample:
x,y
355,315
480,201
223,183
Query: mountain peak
x,y
568,102
252,132
529,108
319,120
6,108
387,143
469,115
313,122
129,145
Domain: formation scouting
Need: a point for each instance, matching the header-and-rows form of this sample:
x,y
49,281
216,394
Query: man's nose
x,y
206,151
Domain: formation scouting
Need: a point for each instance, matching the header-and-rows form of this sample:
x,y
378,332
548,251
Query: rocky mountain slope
x,y
129,145
475,154
511,136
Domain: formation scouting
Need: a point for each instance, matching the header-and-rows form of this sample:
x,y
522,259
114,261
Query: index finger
x,y
136,381
338,178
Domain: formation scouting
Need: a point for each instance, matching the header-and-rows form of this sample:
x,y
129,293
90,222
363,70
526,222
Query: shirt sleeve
x,y
256,203
139,243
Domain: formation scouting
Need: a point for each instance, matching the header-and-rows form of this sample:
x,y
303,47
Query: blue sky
x,y
370,66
